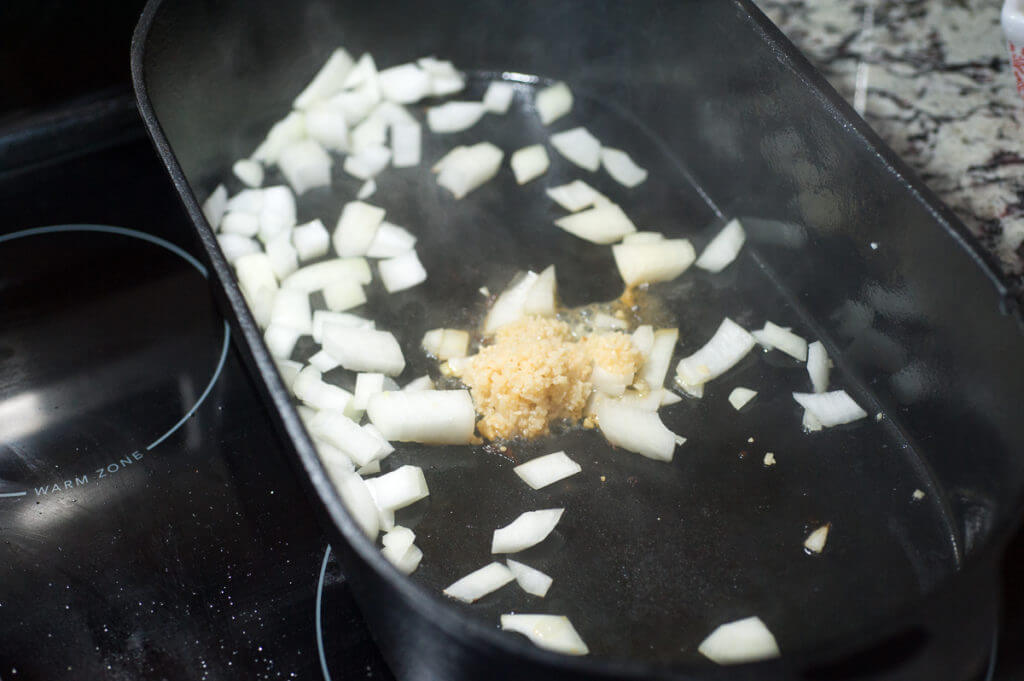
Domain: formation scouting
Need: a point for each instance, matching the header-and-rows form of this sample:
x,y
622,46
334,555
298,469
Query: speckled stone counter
x,y
933,78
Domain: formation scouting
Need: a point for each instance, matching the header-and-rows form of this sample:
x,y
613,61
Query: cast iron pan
x,y
730,121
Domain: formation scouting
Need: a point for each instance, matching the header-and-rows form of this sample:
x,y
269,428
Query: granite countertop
x,y
933,78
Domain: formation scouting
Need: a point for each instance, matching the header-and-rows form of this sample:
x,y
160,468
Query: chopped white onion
x,y
540,298
818,366
386,447
289,129
635,429
531,580
609,383
466,168
621,167
727,347
277,212
364,349
576,196
305,165
310,388
399,488
832,408
406,145
508,307
446,343
579,147
739,397
402,272
363,73
328,80
367,385
529,163
815,542
259,285
326,123
603,320
811,424
746,640
430,416
390,241
479,583
283,255
323,317
498,97
643,238
547,469
314,277
367,190
405,84
408,563
291,308
398,540
668,398
215,206
454,116
246,201
774,336
311,240
367,162
356,228
643,339
372,132
338,430
343,294
444,78
724,248
660,357
240,223
280,340
323,362
652,262
356,104
353,491
249,172
529,529
605,223
553,632
288,370
419,384
235,246
553,102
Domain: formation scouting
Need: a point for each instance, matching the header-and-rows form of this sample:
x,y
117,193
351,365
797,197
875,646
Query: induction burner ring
x,y
120,284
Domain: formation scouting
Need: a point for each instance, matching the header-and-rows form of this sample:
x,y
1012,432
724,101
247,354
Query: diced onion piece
x,y
306,413
444,78
241,223
454,116
406,145
657,363
531,580
236,245
305,165
288,370
456,365
553,102
367,385
277,212
367,190
323,362
419,384
338,430
390,241
668,398
402,272
363,73
579,147
553,632
282,255
399,488
739,397
643,238
810,423
479,583
818,366
724,248
815,542
464,171
653,262
315,277
508,307
603,224
649,401
323,317
386,447
547,469
249,172
356,495
328,80
498,97
540,298
774,336
398,540
291,309
356,104
371,133
246,201
280,340
368,162
832,408
745,640
727,347
429,416
408,563
311,240
356,228
446,343
529,529
635,430
364,349
289,129
256,278
215,206
405,84
326,123
311,389
343,294
576,196
643,339
529,163
608,382
621,167
602,320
